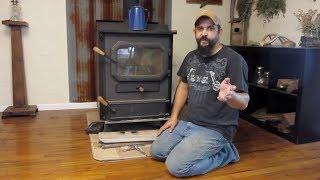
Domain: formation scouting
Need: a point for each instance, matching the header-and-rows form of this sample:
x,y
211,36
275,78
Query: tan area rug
x,y
109,153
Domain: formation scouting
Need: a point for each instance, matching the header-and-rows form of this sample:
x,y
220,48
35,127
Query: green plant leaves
x,y
244,8
270,8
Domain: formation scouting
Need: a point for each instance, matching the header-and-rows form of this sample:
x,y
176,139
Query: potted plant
x,y
244,8
309,21
270,8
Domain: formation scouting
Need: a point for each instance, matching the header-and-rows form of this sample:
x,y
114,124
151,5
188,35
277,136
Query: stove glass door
x,y
139,62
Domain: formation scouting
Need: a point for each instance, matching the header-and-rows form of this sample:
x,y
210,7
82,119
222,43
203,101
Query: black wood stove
x,y
135,78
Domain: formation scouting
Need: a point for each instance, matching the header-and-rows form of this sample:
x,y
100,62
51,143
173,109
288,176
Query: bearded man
x,y
214,85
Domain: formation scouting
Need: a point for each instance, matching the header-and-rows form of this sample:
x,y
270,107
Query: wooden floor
x,y
53,145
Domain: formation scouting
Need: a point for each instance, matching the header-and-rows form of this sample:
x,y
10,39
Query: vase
x,y
314,33
310,39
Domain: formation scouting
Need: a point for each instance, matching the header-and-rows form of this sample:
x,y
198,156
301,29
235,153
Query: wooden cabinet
x,y
285,63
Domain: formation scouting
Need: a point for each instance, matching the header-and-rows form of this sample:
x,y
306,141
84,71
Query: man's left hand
x,y
226,90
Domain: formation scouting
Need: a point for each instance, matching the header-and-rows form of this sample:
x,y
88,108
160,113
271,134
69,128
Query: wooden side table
x,y
20,103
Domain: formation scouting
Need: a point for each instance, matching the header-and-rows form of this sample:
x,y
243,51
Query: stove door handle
x,y
104,54
106,103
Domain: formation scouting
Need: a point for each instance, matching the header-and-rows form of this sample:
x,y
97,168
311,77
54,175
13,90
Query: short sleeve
x,y
238,73
182,72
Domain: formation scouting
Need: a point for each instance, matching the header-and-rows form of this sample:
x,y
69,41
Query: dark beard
x,y
206,51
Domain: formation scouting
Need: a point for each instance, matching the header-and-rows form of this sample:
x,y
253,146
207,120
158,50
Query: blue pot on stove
x,y
138,18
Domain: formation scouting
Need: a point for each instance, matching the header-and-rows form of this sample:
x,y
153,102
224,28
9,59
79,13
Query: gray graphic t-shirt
x,y
204,76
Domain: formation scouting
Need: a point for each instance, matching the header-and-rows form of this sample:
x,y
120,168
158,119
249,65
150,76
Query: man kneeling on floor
x,y
214,81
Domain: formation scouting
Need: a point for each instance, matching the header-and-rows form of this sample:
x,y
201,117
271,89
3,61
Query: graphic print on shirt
x,y
204,76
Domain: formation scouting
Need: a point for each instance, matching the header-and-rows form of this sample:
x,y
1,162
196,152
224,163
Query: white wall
x,y
45,52
183,16
287,26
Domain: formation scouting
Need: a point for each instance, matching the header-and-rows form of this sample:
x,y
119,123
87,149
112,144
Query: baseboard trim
x,y
61,106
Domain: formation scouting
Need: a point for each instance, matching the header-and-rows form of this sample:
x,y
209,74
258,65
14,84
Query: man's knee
x,y
176,168
158,152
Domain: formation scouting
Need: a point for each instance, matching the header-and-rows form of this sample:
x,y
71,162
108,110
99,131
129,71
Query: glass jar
x,y
258,75
266,78
15,11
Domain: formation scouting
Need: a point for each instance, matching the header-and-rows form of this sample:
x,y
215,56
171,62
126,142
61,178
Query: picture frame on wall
x,y
215,2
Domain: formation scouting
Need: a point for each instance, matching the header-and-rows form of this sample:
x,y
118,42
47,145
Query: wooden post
x,y
20,103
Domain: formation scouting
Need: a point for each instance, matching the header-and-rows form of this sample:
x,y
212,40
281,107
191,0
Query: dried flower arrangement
x,y
309,21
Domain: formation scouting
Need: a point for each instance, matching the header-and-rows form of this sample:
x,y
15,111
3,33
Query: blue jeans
x,y
191,150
